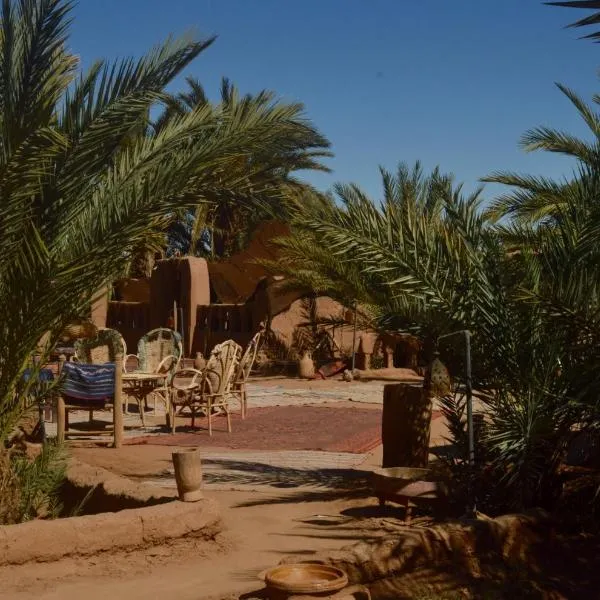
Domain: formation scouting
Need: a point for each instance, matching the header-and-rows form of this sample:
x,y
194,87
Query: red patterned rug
x,y
282,428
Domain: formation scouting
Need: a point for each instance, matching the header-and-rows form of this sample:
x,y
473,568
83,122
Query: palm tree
x,y
222,225
80,188
420,261
533,199
593,19
427,260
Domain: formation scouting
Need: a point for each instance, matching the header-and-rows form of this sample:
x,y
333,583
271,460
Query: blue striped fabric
x,y
89,382
43,375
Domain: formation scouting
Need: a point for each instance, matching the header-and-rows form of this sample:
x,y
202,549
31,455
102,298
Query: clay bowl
x,y
306,578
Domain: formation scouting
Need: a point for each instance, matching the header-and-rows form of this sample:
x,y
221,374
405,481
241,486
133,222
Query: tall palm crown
x,y
81,186
222,225
593,19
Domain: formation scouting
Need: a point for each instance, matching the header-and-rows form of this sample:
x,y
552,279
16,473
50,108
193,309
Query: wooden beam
x,y
118,401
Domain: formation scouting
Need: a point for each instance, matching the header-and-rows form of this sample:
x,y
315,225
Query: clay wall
x,y
216,323
131,320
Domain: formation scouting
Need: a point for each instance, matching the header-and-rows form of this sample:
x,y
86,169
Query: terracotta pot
x,y
306,578
188,474
199,361
306,366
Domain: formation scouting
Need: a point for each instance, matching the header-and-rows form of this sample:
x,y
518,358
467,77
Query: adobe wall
x,y
51,540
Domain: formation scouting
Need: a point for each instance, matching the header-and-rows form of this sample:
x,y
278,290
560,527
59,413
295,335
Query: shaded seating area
x,y
101,374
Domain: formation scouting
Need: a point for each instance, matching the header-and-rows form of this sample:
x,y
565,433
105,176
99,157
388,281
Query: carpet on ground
x,y
321,428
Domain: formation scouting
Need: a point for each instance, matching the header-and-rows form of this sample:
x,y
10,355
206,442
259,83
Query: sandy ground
x,y
260,528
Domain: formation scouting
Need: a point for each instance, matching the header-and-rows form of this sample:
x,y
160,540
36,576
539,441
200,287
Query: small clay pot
x,y
188,474
306,366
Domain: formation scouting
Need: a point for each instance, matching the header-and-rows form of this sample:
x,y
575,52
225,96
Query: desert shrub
x,y
9,491
30,486
40,480
377,362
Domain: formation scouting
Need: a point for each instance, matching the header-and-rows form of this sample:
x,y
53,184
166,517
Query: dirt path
x,y
299,514
260,529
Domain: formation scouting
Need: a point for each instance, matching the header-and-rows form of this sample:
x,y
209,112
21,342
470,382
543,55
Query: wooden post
x,y
118,402
60,419
406,424
62,359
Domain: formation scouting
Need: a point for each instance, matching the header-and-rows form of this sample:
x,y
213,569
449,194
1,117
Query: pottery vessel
x,y
306,578
188,474
306,366
299,581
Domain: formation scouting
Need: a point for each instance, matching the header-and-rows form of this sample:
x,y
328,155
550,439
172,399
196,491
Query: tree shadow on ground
x,y
322,484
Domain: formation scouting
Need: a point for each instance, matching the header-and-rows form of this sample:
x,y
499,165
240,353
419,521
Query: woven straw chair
x,y
208,389
159,351
242,372
104,348
100,349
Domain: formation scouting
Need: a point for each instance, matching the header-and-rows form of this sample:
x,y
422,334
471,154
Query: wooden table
x,y
140,384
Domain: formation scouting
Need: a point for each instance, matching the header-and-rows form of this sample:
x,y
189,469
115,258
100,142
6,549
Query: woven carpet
x,y
326,429
281,428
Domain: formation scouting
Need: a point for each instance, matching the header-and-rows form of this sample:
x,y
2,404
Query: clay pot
x,y
306,366
306,578
188,474
199,361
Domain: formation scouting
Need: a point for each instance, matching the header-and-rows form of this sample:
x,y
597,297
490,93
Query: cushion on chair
x,y
89,385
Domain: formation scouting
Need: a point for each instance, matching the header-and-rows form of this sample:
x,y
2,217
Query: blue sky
x,y
449,82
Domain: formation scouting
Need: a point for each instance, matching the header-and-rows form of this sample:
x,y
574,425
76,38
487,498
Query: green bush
x,y
30,487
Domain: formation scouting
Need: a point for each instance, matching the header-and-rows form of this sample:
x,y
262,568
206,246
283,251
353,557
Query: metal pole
x,y
118,402
354,340
469,394
471,509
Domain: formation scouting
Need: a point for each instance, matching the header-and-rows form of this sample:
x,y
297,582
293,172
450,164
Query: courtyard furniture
x,y
159,354
140,385
62,354
208,389
93,382
242,372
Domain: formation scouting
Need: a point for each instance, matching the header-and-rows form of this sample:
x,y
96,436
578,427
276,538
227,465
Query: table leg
x,y
143,396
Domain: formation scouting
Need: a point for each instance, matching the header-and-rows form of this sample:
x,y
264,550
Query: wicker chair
x,y
208,389
159,351
100,349
104,348
242,372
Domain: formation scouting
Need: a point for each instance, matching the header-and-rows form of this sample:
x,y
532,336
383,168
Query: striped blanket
x,y
43,375
90,383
